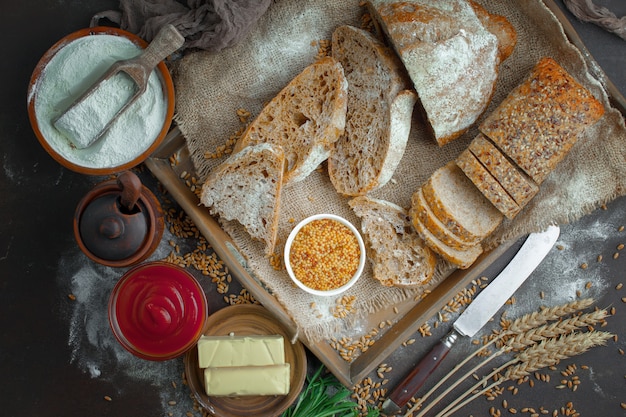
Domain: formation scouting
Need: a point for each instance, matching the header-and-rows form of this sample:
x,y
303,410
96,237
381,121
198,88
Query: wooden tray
x,y
408,318
405,318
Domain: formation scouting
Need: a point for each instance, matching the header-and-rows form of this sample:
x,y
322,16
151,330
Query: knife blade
x,y
477,314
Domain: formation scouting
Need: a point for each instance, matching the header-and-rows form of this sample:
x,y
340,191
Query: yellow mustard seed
x,y
324,254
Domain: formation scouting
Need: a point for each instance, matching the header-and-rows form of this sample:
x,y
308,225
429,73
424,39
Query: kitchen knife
x,y
477,314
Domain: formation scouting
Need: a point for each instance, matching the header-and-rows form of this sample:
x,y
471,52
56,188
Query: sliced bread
x,y
539,121
305,118
487,184
380,105
451,57
247,187
519,185
398,255
459,205
462,259
421,211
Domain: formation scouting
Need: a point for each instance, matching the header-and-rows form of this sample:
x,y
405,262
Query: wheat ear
x,y
521,325
547,353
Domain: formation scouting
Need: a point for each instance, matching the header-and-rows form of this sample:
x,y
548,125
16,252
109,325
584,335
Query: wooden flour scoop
x,y
89,118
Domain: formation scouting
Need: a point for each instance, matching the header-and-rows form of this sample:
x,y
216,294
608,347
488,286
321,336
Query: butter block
x,y
220,351
236,381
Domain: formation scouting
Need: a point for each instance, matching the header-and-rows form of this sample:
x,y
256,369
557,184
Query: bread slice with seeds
x,y
461,258
487,184
519,185
380,106
305,118
421,211
247,187
459,205
398,255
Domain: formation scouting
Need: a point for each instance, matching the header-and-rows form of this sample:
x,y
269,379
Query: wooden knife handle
x,y
426,366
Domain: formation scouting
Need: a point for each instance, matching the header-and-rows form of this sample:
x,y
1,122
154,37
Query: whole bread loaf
x,y
539,121
247,187
305,118
380,106
450,55
398,255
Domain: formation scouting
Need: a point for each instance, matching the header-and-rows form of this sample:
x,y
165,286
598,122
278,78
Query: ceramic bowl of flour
x,y
66,70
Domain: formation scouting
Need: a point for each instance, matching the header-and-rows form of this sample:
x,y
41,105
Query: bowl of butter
x,y
245,364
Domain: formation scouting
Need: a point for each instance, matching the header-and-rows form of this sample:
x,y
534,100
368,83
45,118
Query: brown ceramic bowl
x,y
98,248
247,319
74,163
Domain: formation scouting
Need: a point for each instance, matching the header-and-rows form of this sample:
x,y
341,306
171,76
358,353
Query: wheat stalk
x,y
528,338
546,353
556,329
545,315
550,351
518,329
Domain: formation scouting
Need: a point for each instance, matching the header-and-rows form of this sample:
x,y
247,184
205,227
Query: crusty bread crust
x,y
500,27
379,113
420,210
519,185
247,187
398,255
450,56
539,121
305,118
459,205
487,184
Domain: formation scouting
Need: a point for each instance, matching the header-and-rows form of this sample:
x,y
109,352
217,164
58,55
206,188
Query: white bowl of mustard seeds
x,y
324,255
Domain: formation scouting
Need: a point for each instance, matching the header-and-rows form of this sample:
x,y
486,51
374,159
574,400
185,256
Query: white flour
x,y
72,69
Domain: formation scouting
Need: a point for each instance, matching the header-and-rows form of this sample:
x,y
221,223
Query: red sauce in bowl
x,y
157,311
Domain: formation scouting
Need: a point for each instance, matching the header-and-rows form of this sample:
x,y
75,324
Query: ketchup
x,y
158,311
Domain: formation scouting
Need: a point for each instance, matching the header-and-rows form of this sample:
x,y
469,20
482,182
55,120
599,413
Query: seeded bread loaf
x,y
305,118
247,188
421,211
539,121
487,184
451,57
380,106
519,185
459,205
463,259
398,255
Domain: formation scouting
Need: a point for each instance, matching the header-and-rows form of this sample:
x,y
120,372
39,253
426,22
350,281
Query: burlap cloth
x,y
211,87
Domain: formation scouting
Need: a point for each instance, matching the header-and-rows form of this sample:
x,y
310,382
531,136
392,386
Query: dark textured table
x,y
57,356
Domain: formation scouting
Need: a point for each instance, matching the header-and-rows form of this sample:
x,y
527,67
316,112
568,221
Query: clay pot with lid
x,y
119,222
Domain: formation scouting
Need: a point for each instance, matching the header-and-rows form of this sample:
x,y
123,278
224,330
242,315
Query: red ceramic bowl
x,y
158,311
74,159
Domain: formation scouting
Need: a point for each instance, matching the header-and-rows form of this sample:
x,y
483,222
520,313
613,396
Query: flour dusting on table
x,y
94,349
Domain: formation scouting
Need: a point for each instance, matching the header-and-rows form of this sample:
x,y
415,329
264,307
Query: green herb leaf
x,y
325,396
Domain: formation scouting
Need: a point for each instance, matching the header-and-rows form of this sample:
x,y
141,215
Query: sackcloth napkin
x,y
212,86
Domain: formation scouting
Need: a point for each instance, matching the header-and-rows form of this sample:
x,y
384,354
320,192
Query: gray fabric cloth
x,y
587,11
209,25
